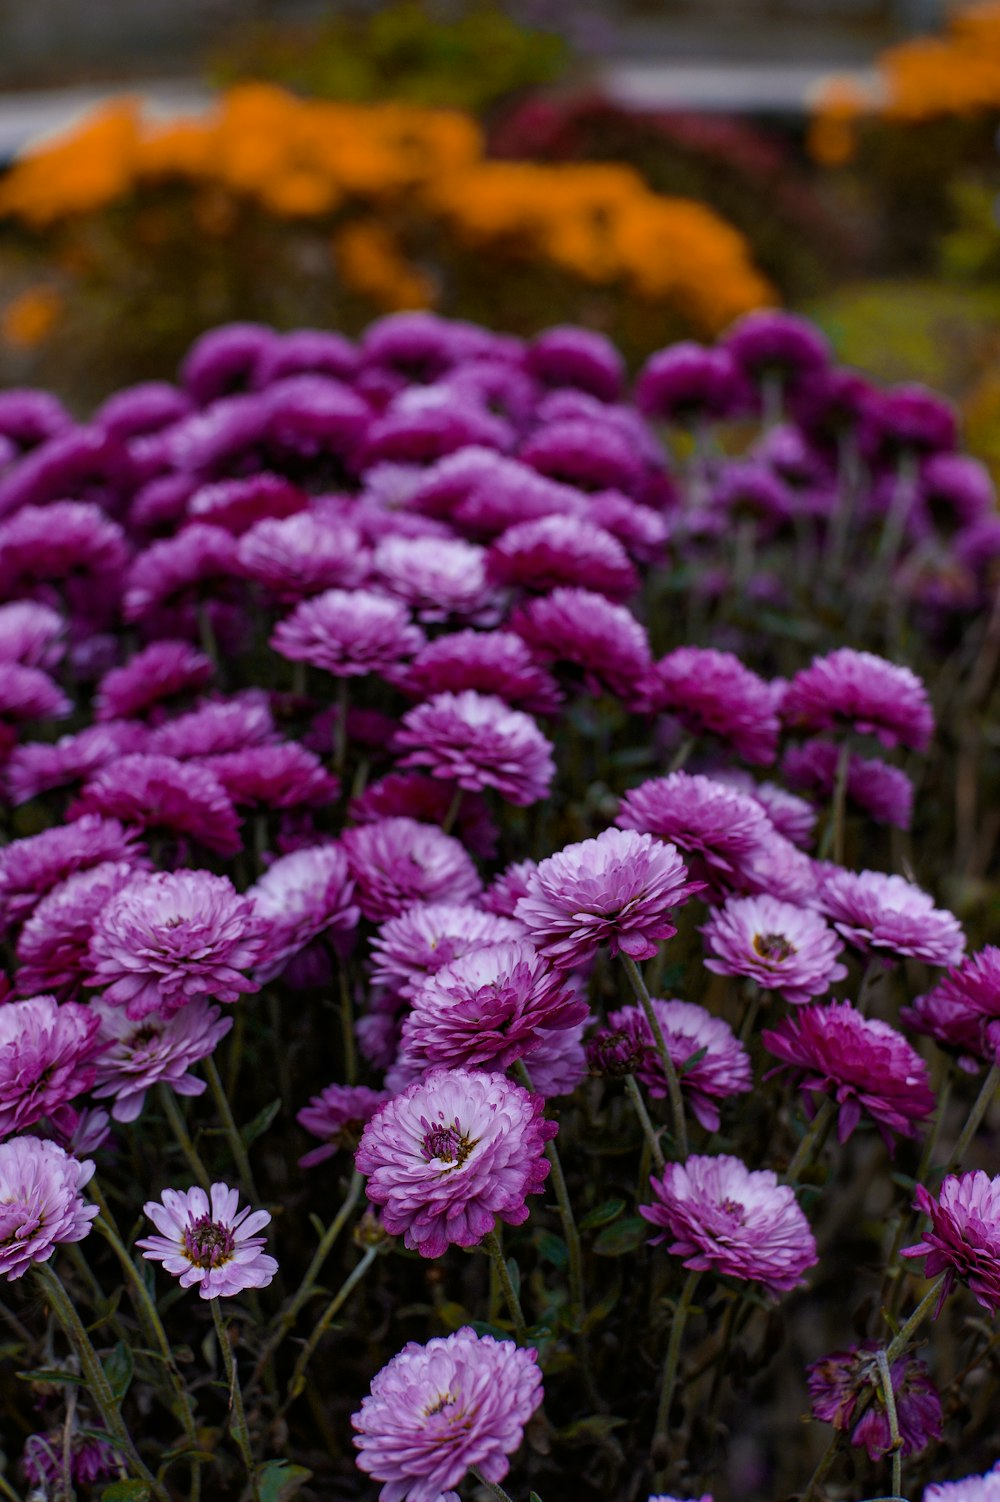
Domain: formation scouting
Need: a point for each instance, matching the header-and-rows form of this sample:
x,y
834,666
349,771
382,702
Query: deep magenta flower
x,y
170,938
29,694
163,670
396,862
41,1205
135,1056
718,826
963,1239
686,383
603,640
159,792
348,632
178,569
452,1152
477,741
69,542
91,1458
888,915
491,662
710,1060
46,1058
782,947
284,775
863,693
883,792
411,948
413,795
39,766
216,727
436,1410
439,578
336,1116
565,355
53,946
31,867
31,633
837,1383
238,504
619,889
862,1063
712,693
507,889
727,1219
972,1036
770,342
302,555
562,550
208,1242
299,897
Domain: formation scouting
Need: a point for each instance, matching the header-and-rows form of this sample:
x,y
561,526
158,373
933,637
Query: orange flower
x,y
370,262
832,134
31,317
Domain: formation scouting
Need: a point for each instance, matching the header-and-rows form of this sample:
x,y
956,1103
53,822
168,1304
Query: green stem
x,y
673,1083
238,1418
180,1131
649,1131
6,1490
570,1231
661,1441
491,1241
815,1132
453,810
340,725
347,1024
819,1474
979,1109
495,1491
232,1130
916,1319
889,1397
298,1379
840,800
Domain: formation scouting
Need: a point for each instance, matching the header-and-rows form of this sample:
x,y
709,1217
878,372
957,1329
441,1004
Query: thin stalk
x,y
673,1083
340,725
754,1000
901,1341
649,1131
826,1461
979,1109
454,807
298,1378
347,1024
495,1491
890,1409
661,1441
180,1131
570,1232
6,1490
491,1241
681,755
839,808
237,1414
815,1132
206,632
232,1130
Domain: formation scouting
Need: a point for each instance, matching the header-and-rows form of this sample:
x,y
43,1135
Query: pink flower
x,y
29,694
238,504
724,1218
177,570
348,633
884,793
436,1410
159,792
439,578
782,947
39,767
159,1049
838,1382
562,550
31,633
336,1116
478,741
209,1242
411,948
284,775
710,1060
91,1458
53,946
41,1206
603,640
214,728
508,888
396,862
413,795
68,542
711,692
451,1153
620,889
718,826
161,671
963,1239
299,897
491,662
969,1489
890,916
46,1058
860,692
33,866
302,555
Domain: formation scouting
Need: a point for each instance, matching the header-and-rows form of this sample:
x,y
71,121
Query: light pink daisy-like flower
x,y
712,693
33,866
478,741
136,1056
348,632
883,792
782,947
710,1060
963,1239
46,1058
397,862
170,938
491,662
161,671
452,1152
562,550
215,728
888,915
838,1381
725,1218
298,556
603,640
41,1205
39,767
861,692
718,826
439,578
299,897
969,1489
284,775
159,792
209,1242
53,946
861,1062
619,889
336,1116
409,949
483,1010
436,1410
30,694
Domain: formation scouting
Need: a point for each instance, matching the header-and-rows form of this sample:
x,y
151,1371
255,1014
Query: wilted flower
x,y
336,1116
888,915
477,741
396,862
208,1241
861,692
712,693
838,1381
711,1062
46,1058
348,633
40,1202
91,1458
963,1239
782,947
135,1056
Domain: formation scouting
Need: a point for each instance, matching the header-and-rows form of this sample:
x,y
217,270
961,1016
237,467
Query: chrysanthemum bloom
x,y
863,1064
712,693
159,792
238,504
215,728
507,889
711,1062
718,826
955,492
963,1239
888,915
491,662
483,1010
558,1061
413,795
850,690
686,382
284,775
409,949
178,568
565,355
883,792
161,671
312,351
603,640
348,632
46,1058
208,1241
39,767
72,543
439,578
773,343
160,1049
337,1116
619,889
29,694
437,1410
909,416
172,937
452,1152
396,862
91,1458
793,818
975,984
302,555
562,550
40,1202
971,1036
31,633
31,867
969,1489
838,1381
53,945
224,359
782,947
727,1219
299,897
477,741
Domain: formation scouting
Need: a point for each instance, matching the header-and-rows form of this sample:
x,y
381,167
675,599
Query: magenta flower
x,y
412,795
299,897
159,1049
507,889
91,1458
163,670
710,1060
793,818
601,639
619,889
170,938
33,866
216,727
943,1015
38,766
770,342
963,1239
782,947
478,741
209,1242
863,693
53,946
348,632
562,550
969,1489
69,542
29,694
452,1152
46,1058
724,1218
31,633
565,355
685,383
178,569
284,775
888,915
712,693
491,662
838,1381
396,862
863,1064
411,948
721,828
884,793
238,504
40,1202
559,1060
159,792
436,1410
439,578
336,1116
298,556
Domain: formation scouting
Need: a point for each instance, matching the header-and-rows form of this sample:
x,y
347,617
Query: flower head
x,y
412,947
565,355
40,1202
888,915
91,1458
963,1239
135,1056
712,692
861,692
297,556
562,550
39,766
882,792
491,662
710,1060
440,578
46,1058
284,775
161,671
207,1241
336,1116
782,947
478,741
413,795
721,828
299,897
216,727
969,1489
33,866
349,633
603,640
396,862
838,1381
53,946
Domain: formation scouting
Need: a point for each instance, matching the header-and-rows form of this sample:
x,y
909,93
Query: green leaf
x,y
483,1327
692,1061
260,1123
551,1248
50,1374
118,1368
277,1480
602,1215
586,1431
126,1491
620,1239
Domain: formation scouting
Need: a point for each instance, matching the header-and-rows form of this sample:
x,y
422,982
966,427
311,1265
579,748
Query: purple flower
x,y
955,492
414,796
477,741
884,793
336,1116
348,633
436,1410
31,633
40,1202
312,351
285,775
38,767
863,693
71,543
562,550
963,1010
969,1489
31,867
890,916
409,949
159,792
302,555
451,1153
771,342
237,505
712,693
216,727
46,1058
508,888
396,862
439,578
161,671
568,356
863,1064
910,417
491,662
727,1219
299,897
223,359
838,1381
641,531
602,639
159,1049
172,572
589,451
711,1061
792,817
54,944
558,1060
963,1239
782,947
619,889
723,829
209,1242
30,694
91,1459
170,938
687,383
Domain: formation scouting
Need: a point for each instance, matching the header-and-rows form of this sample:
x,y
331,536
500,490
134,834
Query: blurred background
x,y
651,169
